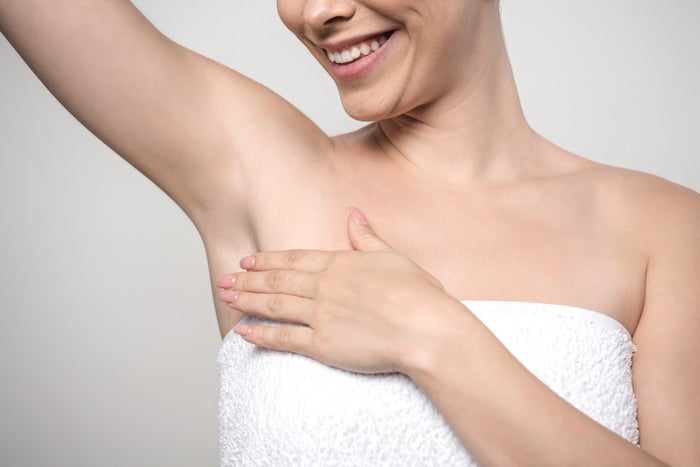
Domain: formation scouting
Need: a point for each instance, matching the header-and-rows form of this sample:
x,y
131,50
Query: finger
x,y
277,307
281,281
362,236
295,260
297,339
225,282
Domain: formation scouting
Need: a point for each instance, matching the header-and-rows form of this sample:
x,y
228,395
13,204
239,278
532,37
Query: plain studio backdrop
x,y
108,337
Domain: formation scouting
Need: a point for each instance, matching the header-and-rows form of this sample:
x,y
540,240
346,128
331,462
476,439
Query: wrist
x,y
446,339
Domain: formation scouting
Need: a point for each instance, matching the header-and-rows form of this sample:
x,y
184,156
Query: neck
x,y
473,133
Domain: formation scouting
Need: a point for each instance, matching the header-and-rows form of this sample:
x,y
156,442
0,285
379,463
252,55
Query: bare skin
x,y
453,179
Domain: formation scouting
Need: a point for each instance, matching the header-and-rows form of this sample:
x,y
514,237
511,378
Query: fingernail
x,y
226,282
243,330
357,216
228,296
248,262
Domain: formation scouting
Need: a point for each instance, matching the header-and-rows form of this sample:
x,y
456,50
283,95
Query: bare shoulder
x,y
641,199
653,219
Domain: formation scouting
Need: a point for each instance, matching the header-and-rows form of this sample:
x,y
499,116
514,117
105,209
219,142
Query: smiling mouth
x,y
357,51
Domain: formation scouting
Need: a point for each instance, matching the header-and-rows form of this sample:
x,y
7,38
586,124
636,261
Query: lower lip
x,y
362,65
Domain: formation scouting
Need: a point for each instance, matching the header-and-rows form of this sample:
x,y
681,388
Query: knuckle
x,y
274,280
324,283
274,304
317,308
283,337
329,285
339,258
346,260
322,344
293,258
239,281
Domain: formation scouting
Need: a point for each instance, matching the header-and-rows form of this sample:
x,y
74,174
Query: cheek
x,y
291,13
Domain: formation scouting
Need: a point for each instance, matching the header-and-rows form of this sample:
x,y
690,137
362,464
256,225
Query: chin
x,y
368,108
363,115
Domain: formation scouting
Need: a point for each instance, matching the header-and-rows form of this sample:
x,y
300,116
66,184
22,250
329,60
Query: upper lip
x,y
337,46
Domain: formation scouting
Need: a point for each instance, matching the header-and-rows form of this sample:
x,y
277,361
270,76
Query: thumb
x,y
361,235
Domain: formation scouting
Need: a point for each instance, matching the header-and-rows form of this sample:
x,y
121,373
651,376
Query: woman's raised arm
x,y
190,124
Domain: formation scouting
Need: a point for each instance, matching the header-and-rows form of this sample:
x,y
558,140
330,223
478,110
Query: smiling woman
x,y
488,287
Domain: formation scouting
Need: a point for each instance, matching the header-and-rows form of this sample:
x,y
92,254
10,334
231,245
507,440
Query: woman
x,y
464,201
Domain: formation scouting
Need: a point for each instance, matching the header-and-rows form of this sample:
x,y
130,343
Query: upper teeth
x,y
354,52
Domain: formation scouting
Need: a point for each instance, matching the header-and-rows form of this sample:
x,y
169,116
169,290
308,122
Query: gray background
x,y
94,259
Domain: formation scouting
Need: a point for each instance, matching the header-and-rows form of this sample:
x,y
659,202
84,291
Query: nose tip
x,y
322,13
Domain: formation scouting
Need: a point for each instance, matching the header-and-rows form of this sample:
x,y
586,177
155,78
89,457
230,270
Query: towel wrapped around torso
x,y
281,409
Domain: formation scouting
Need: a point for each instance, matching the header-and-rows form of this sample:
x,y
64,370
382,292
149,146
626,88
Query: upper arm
x,y
666,366
193,126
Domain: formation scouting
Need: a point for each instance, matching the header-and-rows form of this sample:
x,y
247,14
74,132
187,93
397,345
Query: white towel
x,y
280,409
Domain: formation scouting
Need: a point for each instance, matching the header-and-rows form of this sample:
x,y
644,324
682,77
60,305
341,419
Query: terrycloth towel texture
x,y
279,409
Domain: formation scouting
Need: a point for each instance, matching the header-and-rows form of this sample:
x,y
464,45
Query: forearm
x,y
501,412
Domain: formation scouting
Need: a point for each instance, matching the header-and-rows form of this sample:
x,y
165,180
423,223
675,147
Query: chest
x,y
482,245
